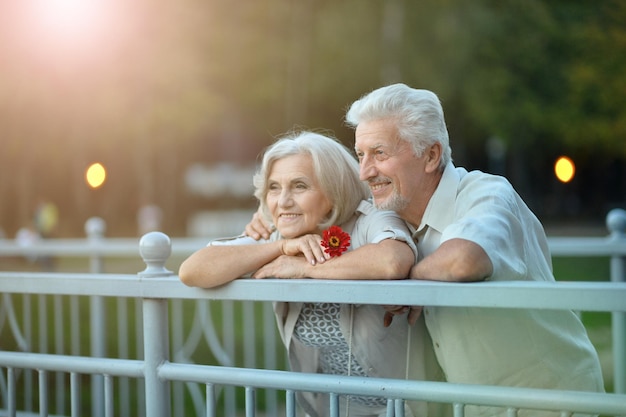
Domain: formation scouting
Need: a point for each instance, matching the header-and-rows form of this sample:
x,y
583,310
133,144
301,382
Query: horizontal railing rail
x,y
95,244
495,396
583,296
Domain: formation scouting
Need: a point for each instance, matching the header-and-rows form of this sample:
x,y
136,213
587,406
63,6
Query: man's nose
x,y
367,169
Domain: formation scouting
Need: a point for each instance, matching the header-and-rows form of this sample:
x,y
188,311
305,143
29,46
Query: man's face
x,y
389,165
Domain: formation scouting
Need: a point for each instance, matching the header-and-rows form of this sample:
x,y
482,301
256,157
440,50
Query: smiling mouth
x,y
288,215
379,184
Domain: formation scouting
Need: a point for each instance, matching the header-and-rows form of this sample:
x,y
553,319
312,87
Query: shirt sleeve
x,y
492,215
236,240
374,226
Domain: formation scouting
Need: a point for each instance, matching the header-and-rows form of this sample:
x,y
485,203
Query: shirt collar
x,y
440,210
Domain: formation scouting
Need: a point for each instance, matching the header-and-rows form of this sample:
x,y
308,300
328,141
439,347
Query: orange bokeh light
x,y
564,169
95,175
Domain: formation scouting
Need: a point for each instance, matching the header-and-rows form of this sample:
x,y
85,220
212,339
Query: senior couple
x,y
429,220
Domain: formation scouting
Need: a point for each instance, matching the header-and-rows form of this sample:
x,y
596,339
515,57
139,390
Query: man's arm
x,y
456,260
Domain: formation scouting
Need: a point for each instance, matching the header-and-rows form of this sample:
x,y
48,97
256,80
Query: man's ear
x,y
433,157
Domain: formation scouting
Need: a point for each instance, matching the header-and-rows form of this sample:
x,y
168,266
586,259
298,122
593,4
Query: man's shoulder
x,y
477,179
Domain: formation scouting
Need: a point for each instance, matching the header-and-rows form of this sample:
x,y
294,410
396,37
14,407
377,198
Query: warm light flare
x,y
95,175
67,17
564,169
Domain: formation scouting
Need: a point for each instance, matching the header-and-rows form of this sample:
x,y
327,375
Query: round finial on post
x,y
155,248
95,227
616,222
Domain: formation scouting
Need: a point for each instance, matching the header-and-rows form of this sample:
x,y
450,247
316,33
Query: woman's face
x,y
294,198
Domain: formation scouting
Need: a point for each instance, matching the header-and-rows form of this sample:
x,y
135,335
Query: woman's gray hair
x,y
336,170
418,113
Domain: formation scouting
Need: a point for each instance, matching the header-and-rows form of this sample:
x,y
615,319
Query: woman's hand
x,y
308,245
284,266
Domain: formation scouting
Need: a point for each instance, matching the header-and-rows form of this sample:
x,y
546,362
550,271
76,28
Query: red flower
x,y
336,241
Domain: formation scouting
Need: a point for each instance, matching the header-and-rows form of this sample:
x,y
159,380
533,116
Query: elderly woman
x,y
308,182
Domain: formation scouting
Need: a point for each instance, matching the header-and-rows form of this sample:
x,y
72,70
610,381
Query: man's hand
x,y
391,311
258,227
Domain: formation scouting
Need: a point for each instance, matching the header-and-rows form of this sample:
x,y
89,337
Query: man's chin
x,y
392,203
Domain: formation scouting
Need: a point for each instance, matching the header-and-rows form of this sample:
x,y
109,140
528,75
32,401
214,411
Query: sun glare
x,y
95,175
67,16
564,169
68,22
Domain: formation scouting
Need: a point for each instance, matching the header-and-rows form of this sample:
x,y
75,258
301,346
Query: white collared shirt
x,y
512,347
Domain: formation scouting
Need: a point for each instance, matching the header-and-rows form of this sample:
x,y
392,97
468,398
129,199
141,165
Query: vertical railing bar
x,y
94,229
156,350
141,384
228,320
74,394
458,410
75,325
28,335
511,412
390,407
249,334
618,324
122,347
43,393
108,396
59,335
97,327
334,404
616,223
290,403
211,401
250,402
43,322
12,392
176,331
155,248
270,351
399,406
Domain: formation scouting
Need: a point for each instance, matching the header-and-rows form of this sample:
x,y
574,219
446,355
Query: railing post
x,y
155,249
616,223
94,229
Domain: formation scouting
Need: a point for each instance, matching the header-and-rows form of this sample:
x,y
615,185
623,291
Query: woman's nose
x,y
285,199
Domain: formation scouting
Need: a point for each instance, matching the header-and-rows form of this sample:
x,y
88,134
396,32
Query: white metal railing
x,y
579,296
155,285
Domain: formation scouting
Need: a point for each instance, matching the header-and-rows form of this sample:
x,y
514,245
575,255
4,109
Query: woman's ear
x,y
433,157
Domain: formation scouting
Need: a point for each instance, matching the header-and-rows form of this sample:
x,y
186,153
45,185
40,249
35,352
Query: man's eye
x,y
380,155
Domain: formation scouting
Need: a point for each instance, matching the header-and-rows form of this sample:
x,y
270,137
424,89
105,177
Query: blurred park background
x,y
176,99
